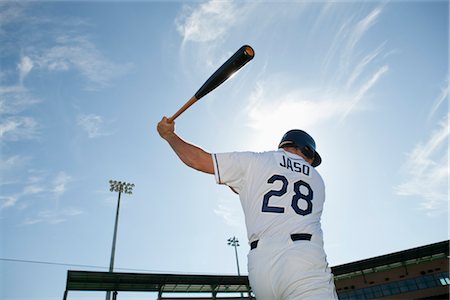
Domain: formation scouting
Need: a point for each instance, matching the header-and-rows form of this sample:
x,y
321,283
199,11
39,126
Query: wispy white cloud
x,y
32,221
230,211
92,124
59,184
358,32
428,172
325,11
361,66
78,52
53,217
10,12
333,54
7,201
205,28
64,47
209,21
18,128
33,189
441,98
41,184
364,88
47,45
335,97
53,186
12,162
344,51
36,176
15,99
11,168
25,65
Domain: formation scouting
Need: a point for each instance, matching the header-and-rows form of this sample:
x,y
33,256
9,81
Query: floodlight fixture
x,y
121,187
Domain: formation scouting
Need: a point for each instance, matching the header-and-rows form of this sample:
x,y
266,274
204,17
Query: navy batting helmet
x,y
303,141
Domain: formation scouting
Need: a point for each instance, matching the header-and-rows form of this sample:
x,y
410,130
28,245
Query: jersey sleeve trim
x,y
216,169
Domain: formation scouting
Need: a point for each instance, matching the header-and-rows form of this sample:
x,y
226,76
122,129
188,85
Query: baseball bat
x,y
231,66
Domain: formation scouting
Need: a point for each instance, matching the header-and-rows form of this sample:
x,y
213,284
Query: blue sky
x,y
83,85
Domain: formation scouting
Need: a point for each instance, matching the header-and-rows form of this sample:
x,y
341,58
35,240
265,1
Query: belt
x,y
294,237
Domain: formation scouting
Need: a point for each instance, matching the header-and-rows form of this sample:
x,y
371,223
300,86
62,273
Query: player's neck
x,y
297,151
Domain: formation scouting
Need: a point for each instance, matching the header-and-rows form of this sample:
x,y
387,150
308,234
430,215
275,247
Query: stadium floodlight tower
x,y
235,243
118,187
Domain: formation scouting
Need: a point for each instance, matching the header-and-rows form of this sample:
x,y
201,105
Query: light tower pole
x,y
235,243
119,187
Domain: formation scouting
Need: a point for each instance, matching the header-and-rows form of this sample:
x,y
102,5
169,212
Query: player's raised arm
x,y
191,155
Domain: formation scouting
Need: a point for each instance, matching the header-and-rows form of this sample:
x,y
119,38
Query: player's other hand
x,y
166,128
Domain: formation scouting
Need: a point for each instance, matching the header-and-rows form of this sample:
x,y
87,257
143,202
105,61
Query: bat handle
x,y
183,108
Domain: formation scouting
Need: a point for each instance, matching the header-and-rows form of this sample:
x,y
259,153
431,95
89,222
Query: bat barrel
x,y
231,66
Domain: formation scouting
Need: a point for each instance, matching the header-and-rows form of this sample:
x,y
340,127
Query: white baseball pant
x,y
282,269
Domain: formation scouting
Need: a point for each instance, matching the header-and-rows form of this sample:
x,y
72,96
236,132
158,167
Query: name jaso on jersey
x,y
295,166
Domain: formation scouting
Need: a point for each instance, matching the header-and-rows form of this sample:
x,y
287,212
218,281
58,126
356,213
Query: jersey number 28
x,y
308,197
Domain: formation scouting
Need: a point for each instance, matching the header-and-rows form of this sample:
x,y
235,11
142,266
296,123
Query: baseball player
x,y
282,196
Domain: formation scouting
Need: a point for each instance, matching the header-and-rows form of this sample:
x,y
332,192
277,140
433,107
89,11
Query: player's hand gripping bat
x,y
233,64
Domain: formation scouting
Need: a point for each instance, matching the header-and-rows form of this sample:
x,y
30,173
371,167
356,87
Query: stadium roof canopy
x,y
160,283
228,284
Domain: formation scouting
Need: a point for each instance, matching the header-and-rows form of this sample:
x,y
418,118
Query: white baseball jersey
x,y
280,192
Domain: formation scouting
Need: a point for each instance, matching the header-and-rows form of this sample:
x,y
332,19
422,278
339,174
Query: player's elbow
x,y
203,162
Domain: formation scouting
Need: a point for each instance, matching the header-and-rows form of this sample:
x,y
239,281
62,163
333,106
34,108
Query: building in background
x,y
419,273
